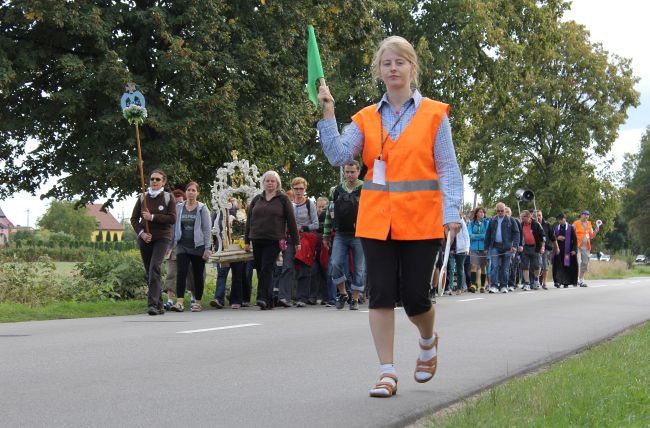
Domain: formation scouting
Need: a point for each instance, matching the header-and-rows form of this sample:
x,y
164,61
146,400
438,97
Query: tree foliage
x,y
636,203
533,100
67,217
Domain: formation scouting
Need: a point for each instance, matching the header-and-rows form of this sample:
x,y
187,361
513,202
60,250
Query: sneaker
x,y
511,289
583,284
503,289
447,293
161,311
300,304
330,303
285,304
354,305
245,305
472,288
566,285
526,287
340,302
535,286
152,310
482,289
311,302
493,290
215,303
167,306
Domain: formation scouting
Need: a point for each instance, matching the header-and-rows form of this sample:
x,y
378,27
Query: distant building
x,y
106,224
6,227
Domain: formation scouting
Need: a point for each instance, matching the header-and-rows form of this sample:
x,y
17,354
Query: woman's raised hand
x,y
326,101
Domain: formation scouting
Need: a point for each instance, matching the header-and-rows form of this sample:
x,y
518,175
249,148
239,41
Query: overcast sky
x,y
620,26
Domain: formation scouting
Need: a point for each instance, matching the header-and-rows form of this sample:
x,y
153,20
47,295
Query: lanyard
x,y
383,140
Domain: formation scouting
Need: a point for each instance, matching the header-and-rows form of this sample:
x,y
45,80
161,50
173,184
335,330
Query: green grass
x,y
615,269
15,312
606,386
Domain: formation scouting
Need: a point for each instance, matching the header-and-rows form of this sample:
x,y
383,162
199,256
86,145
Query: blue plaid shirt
x,y
340,149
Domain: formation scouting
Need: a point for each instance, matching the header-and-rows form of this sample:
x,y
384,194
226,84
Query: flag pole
x,y
140,164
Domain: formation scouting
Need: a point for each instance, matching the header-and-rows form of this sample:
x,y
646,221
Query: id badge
x,y
379,172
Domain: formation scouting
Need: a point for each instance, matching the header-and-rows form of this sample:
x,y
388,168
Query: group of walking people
x,y
387,229
512,253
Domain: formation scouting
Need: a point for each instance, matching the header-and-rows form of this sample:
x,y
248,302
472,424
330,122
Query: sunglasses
x,y
155,179
500,211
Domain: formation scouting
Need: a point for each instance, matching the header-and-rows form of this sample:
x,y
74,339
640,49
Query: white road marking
x,y
469,300
227,327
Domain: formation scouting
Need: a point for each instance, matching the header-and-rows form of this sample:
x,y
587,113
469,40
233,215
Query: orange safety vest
x,y
410,204
581,232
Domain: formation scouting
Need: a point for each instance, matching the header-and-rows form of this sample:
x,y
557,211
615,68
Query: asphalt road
x,y
293,367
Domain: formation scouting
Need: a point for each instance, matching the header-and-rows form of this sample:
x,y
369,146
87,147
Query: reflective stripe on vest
x,y
402,186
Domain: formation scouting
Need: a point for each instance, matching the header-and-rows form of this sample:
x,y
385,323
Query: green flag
x,y
314,66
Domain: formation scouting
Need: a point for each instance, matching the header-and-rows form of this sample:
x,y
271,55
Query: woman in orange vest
x,y
411,195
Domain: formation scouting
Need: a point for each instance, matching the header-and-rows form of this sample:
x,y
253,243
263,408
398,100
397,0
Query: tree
x,y
636,204
68,217
216,76
556,100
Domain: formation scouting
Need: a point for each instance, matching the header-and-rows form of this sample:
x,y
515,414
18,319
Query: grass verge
x,y
606,386
15,312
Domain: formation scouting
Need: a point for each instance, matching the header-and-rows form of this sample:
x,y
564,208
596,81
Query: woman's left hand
x,y
454,228
298,247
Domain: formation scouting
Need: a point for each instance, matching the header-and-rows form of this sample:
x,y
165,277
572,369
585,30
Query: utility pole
x,y
28,218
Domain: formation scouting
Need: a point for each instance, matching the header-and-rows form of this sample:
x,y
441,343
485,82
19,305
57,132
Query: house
x,y
106,224
5,228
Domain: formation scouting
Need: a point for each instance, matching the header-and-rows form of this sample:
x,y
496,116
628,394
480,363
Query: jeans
x,y
500,259
341,248
457,266
220,289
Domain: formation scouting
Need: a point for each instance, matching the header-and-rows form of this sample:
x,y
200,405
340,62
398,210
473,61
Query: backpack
x,y
168,197
346,206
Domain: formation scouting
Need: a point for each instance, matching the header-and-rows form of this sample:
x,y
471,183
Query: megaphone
x,y
524,195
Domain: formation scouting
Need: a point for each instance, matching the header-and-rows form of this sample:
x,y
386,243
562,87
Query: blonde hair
x,y
299,180
274,174
401,47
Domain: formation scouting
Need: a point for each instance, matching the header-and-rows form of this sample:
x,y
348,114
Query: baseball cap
x,y
586,212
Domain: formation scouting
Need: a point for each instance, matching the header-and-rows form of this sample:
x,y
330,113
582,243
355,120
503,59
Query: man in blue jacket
x,y
501,239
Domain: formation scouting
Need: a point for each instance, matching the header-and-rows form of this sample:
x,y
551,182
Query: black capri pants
x,y
400,270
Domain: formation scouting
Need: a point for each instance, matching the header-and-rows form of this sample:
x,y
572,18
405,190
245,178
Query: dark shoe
x,y
262,304
557,285
177,308
161,311
311,302
245,305
152,310
215,303
300,304
583,285
362,300
167,306
284,303
354,305
340,302
566,285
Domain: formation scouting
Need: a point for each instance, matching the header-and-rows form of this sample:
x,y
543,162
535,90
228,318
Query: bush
x,y
33,283
122,272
